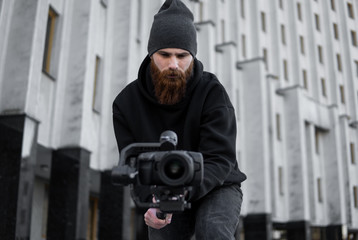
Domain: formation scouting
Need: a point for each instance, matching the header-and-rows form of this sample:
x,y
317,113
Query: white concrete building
x,y
290,68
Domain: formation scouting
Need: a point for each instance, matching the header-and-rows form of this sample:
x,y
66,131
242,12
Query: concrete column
x,y
22,39
77,65
255,148
334,168
206,48
258,226
299,208
334,232
299,230
226,71
17,165
111,202
69,194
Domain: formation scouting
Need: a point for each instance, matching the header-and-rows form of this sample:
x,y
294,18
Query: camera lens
x,y
174,168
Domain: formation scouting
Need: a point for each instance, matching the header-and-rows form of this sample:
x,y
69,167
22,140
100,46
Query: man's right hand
x,y
150,218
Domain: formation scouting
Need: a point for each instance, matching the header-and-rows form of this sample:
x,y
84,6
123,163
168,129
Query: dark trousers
x,y
215,216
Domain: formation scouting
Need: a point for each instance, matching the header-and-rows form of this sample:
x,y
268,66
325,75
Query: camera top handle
x,y
125,173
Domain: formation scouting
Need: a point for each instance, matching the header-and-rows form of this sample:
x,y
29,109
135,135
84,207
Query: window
x,y
50,33
350,10
352,235
339,62
318,26
299,11
319,190
352,148
283,34
302,45
341,89
317,233
354,38
139,21
280,3
320,54
356,63
242,8
104,3
96,99
280,180
278,127
263,22
335,31
201,11
238,114
317,143
304,75
355,196
243,40
323,83
223,30
265,58
92,218
318,134
264,53
45,209
285,70
333,5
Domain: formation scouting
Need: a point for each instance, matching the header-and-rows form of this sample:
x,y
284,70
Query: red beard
x,y
170,85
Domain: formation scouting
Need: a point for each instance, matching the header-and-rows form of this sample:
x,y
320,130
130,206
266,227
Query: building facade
x,y
291,71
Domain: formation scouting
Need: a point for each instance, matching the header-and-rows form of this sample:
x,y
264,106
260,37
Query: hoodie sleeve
x,y
217,141
121,128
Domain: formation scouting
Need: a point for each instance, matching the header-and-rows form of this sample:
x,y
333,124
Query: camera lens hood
x,y
176,168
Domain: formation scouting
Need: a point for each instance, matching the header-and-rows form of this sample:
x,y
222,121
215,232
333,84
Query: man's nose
x,y
173,63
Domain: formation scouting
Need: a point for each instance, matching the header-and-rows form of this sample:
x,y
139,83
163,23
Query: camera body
x,y
170,168
170,173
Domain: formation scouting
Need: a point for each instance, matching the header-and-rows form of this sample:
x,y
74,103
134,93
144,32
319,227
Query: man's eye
x,y
182,55
164,54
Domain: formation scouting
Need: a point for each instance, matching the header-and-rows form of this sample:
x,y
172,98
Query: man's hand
x,y
151,219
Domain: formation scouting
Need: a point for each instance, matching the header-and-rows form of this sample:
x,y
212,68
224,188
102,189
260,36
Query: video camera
x,y
170,173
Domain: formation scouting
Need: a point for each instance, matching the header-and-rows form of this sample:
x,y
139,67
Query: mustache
x,y
172,73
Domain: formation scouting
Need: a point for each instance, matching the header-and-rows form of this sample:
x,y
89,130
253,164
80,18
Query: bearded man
x,y
173,92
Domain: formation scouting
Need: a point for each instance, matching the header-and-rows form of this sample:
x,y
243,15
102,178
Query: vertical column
x,y
206,48
347,173
258,226
17,162
334,232
334,169
299,230
69,194
226,72
255,151
77,67
299,207
111,204
258,223
20,71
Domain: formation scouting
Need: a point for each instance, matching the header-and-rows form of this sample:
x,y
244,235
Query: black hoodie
x,y
204,121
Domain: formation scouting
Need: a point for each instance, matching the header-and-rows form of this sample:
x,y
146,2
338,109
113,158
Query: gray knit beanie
x,y
173,27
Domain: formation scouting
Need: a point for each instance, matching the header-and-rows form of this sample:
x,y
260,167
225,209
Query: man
x,y
173,92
